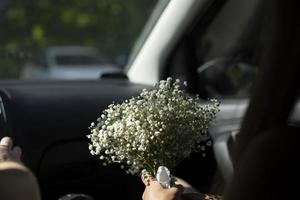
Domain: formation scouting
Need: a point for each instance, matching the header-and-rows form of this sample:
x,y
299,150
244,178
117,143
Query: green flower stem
x,y
149,168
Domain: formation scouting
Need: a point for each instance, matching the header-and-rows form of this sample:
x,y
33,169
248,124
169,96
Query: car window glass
x,y
227,50
219,55
32,32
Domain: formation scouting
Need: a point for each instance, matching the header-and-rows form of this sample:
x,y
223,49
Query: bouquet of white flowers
x,y
160,127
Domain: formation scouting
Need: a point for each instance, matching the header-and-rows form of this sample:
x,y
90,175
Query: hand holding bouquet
x,y
160,127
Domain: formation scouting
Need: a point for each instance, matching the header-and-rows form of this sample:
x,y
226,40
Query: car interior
x,y
50,119
266,148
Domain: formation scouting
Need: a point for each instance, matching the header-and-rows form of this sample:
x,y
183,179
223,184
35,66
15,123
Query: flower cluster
x,y
160,127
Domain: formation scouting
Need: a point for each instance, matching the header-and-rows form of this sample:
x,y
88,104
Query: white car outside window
x,y
69,62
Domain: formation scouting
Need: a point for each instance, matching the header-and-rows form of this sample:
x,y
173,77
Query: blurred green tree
x,y
29,25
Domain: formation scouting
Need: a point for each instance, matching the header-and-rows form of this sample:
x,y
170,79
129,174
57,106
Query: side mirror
x,y
226,77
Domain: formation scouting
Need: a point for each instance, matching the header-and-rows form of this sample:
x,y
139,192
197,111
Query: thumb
x,y
6,142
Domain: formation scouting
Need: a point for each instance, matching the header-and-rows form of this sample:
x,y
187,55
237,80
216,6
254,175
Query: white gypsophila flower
x,y
159,127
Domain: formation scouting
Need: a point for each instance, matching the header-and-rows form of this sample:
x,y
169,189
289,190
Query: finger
x,y
146,178
6,142
16,153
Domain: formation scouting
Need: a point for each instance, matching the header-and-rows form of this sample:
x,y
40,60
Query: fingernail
x,y
5,141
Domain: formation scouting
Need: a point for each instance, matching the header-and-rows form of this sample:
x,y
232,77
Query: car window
x,y
227,50
221,52
37,35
